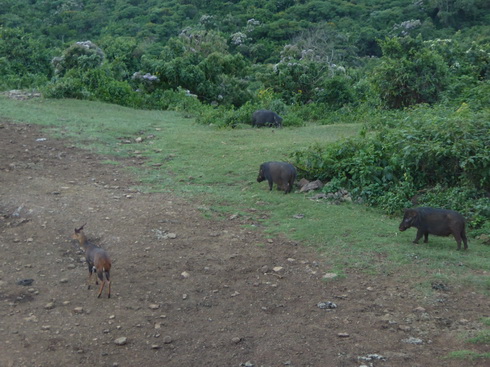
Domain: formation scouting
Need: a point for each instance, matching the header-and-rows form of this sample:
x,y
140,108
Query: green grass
x,y
217,169
468,354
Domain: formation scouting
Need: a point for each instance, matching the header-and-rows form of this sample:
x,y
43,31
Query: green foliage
x,y
24,60
80,55
409,73
441,161
92,84
180,100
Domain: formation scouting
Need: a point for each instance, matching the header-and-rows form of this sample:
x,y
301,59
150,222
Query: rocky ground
x,y
190,291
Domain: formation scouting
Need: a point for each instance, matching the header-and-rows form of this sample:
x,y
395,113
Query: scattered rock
x,y
236,340
440,287
185,275
326,305
155,346
31,317
49,306
485,238
413,340
154,306
372,357
78,310
303,182
329,276
121,341
167,340
310,186
63,280
25,282
343,335
278,269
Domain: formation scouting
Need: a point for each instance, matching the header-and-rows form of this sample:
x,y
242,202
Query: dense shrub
x,y
430,158
409,73
24,60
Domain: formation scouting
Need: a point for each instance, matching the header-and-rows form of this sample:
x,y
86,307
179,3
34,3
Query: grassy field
x,y
218,168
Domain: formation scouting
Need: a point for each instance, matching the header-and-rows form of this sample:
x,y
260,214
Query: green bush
x,y
409,73
441,161
66,87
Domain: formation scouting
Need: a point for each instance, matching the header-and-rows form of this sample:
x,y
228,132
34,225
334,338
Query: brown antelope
x,y
97,260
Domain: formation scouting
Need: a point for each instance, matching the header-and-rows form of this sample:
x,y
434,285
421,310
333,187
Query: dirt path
x,y
188,291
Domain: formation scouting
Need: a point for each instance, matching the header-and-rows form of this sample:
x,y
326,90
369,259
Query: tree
x,y
409,73
80,55
23,59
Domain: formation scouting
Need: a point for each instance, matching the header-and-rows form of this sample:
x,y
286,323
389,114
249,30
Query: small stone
x,y
121,341
419,309
404,328
329,276
64,280
31,317
412,340
326,305
167,340
184,296
185,275
71,266
236,340
155,346
154,306
78,310
46,327
278,269
49,306
66,303
25,282
343,335
172,236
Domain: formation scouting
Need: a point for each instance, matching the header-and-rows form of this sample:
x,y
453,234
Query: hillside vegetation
x,y
414,73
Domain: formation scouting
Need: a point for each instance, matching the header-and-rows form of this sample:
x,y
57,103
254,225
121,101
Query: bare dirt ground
x,y
188,291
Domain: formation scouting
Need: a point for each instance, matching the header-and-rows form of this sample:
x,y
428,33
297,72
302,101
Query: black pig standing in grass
x,y
266,118
281,173
440,222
